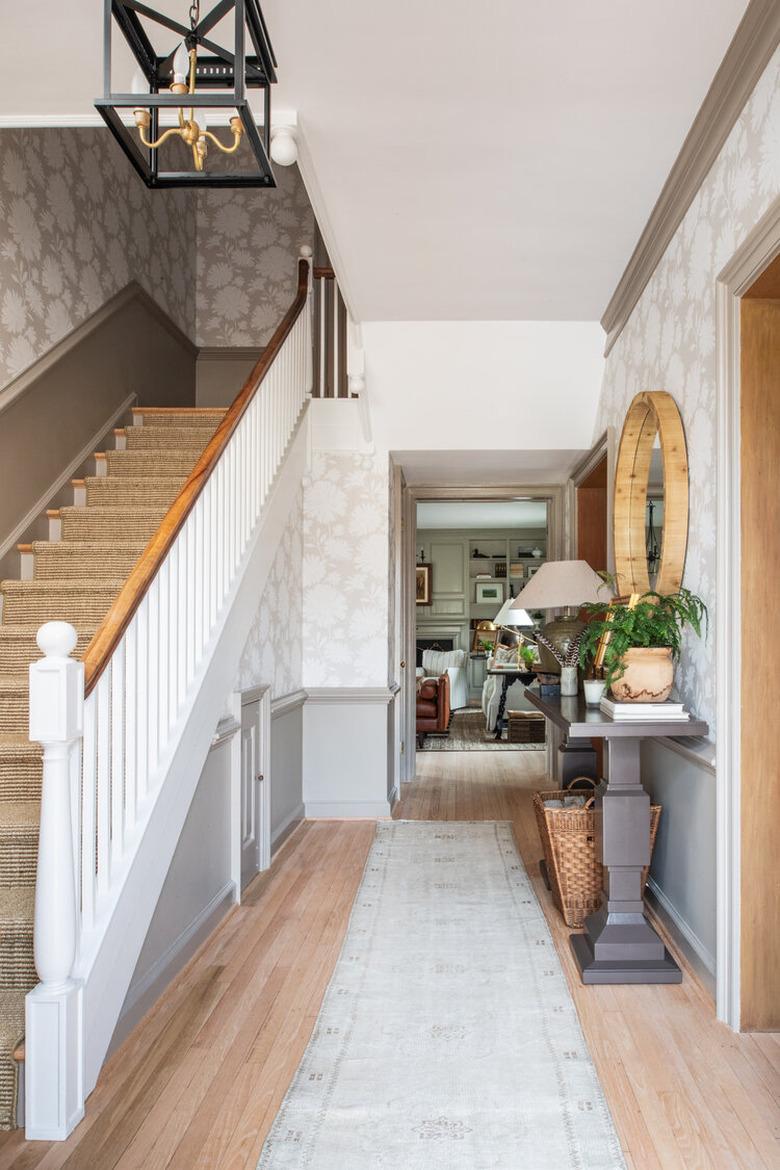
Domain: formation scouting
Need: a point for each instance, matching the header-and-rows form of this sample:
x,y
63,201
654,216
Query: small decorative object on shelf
x,y
594,691
567,660
637,641
516,569
500,568
536,553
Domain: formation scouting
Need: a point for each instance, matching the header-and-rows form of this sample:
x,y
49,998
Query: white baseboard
x,y
287,824
688,941
150,986
347,809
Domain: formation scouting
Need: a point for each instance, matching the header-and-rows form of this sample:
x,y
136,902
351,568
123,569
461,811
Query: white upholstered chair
x,y
454,662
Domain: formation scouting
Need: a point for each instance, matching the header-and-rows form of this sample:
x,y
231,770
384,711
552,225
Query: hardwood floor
x,y
198,1083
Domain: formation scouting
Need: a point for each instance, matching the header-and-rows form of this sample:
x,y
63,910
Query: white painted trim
x,y
253,694
283,830
149,988
286,703
746,58
347,809
757,251
43,502
348,696
701,753
226,729
705,957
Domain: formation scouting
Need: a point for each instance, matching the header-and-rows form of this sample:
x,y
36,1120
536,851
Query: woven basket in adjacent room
x,y
568,840
526,727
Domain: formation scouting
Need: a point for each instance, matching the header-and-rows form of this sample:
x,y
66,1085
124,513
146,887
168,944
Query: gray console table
x,y
619,944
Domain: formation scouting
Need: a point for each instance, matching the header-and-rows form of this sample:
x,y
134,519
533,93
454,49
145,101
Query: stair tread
x,y
16,905
11,1019
62,584
20,814
18,745
86,546
184,411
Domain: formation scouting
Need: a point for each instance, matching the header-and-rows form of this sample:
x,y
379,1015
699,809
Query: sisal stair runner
x,y
76,576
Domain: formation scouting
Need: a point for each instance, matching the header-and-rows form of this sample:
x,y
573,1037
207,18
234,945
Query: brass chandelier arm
x,y
158,141
225,149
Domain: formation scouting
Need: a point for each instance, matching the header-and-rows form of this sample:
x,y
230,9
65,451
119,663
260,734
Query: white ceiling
x,y
496,161
475,468
471,162
482,514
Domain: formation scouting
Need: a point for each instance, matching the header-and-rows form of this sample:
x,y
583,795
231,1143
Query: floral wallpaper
x,y
77,225
346,517
669,341
248,244
273,649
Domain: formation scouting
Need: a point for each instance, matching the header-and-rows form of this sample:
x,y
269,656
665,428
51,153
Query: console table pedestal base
x,y
593,970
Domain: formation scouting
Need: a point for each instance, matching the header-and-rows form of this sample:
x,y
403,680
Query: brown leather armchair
x,y
433,707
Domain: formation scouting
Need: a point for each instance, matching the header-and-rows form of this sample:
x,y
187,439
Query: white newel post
x,y
54,1049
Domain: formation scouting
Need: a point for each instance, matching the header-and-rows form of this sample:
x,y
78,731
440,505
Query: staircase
x,y
73,577
152,577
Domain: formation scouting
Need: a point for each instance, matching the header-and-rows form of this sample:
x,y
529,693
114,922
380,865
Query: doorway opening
x,y
472,557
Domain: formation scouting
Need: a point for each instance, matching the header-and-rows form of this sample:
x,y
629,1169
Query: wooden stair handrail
x,y
118,618
323,272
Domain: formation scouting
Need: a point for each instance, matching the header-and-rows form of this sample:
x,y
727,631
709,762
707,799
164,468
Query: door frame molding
x,y
262,696
604,446
757,251
557,542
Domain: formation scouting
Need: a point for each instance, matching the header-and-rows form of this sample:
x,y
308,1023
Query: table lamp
x,y
561,585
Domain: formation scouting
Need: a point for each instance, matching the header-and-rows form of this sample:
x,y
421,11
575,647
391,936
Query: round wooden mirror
x,y
653,420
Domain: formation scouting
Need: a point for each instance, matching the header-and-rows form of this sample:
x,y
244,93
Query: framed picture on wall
x,y
532,569
423,584
489,591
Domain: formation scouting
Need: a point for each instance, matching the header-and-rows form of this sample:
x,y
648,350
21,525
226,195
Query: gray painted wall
x,y
68,396
221,372
683,869
286,769
197,892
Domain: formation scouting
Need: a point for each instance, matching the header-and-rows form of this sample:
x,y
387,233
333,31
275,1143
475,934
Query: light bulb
x,y
139,84
284,150
181,65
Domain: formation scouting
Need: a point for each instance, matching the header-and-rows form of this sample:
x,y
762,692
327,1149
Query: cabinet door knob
x,y
403,664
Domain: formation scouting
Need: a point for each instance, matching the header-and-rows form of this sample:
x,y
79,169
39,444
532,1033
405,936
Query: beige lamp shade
x,y
561,583
511,614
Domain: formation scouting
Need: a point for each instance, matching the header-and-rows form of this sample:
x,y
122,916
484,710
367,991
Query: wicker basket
x,y
568,840
526,727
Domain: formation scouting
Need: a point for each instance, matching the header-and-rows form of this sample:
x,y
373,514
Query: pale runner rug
x,y
447,1037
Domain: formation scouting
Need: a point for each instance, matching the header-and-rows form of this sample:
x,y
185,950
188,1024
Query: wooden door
x,y
760,578
592,537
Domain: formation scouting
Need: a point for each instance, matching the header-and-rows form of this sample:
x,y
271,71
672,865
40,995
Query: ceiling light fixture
x,y
189,83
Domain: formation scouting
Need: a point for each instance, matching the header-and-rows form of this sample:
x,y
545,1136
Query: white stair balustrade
x,y
123,750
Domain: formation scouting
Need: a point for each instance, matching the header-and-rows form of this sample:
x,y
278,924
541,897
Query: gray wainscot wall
x,y
287,808
199,888
682,876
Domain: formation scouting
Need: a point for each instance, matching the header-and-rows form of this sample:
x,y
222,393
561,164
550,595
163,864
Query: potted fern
x,y
642,640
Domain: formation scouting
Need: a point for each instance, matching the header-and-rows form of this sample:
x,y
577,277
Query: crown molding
x,y
751,49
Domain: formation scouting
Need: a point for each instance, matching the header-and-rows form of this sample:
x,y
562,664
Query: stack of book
x,y
645,712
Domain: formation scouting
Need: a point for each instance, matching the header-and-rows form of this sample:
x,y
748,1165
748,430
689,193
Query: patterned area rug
x,y
468,734
447,1037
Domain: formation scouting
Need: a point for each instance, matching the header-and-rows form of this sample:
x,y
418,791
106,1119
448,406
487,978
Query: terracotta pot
x,y
648,677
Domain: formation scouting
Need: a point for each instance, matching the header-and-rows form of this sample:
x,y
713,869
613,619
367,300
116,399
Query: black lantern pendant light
x,y
653,549
184,78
